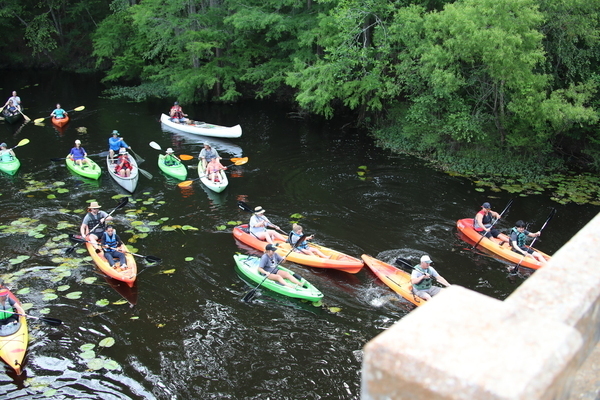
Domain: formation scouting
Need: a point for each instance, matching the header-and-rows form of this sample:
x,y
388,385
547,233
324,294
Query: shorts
x,y
432,291
526,249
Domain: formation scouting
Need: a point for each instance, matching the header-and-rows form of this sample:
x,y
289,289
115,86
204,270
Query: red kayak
x,y
337,260
500,246
60,122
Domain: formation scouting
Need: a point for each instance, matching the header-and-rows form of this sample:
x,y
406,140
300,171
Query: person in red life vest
x,y
7,309
484,221
124,166
177,114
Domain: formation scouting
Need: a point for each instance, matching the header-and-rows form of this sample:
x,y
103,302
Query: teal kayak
x,y
248,267
178,170
10,167
92,172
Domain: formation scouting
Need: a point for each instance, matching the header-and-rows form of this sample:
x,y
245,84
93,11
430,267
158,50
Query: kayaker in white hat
x,y
422,279
94,223
258,227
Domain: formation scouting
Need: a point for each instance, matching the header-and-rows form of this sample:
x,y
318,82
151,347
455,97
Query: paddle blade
x,y
155,145
80,108
122,203
186,157
245,206
241,161
249,296
51,321
145,173
38,120
76,238
23,142
152,259
234,159
185,184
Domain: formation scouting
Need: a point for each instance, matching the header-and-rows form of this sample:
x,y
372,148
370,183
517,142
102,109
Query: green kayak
x,y
248,266
178,170
10,167
91,171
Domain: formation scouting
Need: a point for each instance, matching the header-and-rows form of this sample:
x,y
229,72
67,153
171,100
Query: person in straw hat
x,y
94,223
258,227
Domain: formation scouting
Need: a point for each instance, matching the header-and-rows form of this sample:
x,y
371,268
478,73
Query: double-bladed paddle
x,y
250,295
22,142
240,161
151,259
516,268
402,261
493,223
40,120
48,320
102,154
121,204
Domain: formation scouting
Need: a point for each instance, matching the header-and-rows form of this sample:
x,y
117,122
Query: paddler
x,y
422,278
7,304
518,235
94,223
269,265
258,227
484,221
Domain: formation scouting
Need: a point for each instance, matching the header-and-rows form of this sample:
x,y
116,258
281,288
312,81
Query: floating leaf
x,y
134,318
74,295
95,364
169,271
45,310
334,309
168,228
102,303
119,302
90,280
111,365
58,183
296,216
62,190
50,392
107,342
50,296
134,223
189,228
362,167
25,290
63,288
51,196
143,229
189,258
88,354
221,227
87,346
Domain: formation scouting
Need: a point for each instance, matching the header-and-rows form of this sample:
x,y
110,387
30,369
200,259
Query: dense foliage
x,y
514,79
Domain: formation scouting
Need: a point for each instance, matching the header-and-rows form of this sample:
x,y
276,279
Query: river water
x,y
183,332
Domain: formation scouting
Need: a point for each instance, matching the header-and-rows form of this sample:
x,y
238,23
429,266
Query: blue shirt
x,y
115,144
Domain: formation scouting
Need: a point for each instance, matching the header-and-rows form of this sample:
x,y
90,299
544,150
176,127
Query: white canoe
x,y
204,129
214,186
221,145
128,183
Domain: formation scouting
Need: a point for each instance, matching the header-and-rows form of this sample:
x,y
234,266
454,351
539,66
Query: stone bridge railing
x,y
465,345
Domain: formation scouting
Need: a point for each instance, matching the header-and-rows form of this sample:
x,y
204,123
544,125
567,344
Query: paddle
x,y
121,204
406,263
48,320
250,295
516,268
137,158
103,154
40,120
151,259
22,142
145,173
185,157
27,119
240,161
494,222
249,209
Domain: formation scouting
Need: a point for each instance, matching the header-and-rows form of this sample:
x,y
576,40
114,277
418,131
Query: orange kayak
x,y
14,345
128,276
337,260
396,279
500,246
60,122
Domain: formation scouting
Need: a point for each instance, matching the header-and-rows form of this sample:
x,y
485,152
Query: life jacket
x,y
126,164
95,220
425,283
291,241
521,236
5,156
6,307
111,241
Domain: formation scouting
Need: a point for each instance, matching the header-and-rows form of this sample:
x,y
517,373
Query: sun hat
x,y
94,204
486,205
271,247
170,150
122,150
259,210
115,132
3,144
206,144
426,259
78,141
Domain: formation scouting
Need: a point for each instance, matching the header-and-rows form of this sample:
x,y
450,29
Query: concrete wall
x,y
464,345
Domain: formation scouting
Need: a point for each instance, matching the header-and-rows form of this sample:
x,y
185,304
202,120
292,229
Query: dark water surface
x,y
189,335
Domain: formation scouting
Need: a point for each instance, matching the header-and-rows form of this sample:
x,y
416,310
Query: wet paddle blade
x,y
248,297
185,183
23,142
38,120
153,259
80,108
186,157
245,206
155,145
241,161
137,158
145,173
51,321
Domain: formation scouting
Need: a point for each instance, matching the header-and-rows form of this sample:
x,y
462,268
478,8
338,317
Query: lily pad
x,y
102,303
88,354
74,295
95,364
168,271
107,342
189,258
87,346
